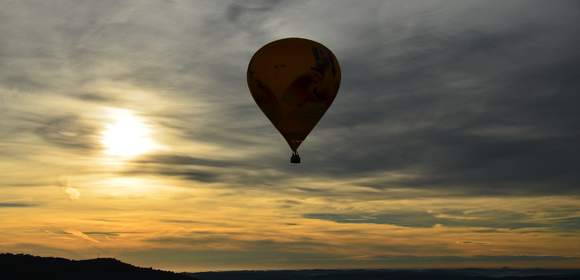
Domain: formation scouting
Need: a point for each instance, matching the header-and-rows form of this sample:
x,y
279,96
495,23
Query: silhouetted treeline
x,y
22,267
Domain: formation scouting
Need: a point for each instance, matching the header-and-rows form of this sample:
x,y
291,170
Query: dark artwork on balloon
x,y
294,82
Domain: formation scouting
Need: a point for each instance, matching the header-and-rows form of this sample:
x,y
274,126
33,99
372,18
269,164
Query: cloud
x,y
568,224
8,204
103,233
232,250
185,167
236,259
241,172
73,193
448,96
236,11
458,260
184,160
93,97
82,235
442,104
483,219
460,107
69,132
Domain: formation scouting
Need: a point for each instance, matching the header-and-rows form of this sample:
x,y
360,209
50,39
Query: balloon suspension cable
x,y
295,158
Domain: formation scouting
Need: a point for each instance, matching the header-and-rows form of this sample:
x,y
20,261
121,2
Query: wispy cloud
x,y
73,193
485,219
8,204
82,235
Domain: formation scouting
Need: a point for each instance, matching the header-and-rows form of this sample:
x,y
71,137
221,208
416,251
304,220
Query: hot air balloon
x,y
294,82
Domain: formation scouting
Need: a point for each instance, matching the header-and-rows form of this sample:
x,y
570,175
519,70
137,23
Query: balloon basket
x,y
295,158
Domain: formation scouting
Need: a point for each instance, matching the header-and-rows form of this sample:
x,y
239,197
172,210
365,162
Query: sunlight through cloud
x,y
127,135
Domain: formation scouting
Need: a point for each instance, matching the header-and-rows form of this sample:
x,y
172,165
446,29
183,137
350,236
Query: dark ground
x,y
451,274
24,267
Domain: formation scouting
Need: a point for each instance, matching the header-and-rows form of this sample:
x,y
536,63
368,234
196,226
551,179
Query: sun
x,y
127,135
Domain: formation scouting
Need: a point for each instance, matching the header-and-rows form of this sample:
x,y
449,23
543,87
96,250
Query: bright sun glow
x,y
127,135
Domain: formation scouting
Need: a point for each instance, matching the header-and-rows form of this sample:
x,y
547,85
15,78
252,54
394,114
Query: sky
x,y
127,130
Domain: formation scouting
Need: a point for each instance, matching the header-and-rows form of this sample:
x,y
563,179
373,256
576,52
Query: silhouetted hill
x,y
31,267
22,267
379,274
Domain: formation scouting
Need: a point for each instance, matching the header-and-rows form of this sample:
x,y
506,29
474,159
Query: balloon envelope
x,y
294,82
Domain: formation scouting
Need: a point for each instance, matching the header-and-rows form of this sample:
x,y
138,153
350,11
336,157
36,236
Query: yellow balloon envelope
x,y
294,82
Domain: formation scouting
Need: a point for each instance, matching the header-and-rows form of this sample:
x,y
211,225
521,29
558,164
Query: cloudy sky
x,y
127,130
